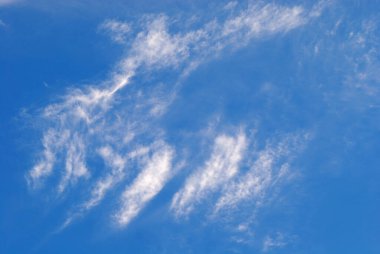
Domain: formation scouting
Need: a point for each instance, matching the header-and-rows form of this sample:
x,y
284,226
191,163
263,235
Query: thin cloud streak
x,y
75,164
222,166
157,171
117,30
117,165
265,173
8,2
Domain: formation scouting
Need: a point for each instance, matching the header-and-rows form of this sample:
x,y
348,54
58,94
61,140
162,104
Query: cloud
x,y
117,164
75,163
117,30
156,48
237,175
355,44
153,177
73,123
109,120
222,166
270,167
259,20
230,5
8,2
362,45
52,142
279,240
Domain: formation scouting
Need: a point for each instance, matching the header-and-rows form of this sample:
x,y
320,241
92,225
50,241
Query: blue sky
x,y
189,126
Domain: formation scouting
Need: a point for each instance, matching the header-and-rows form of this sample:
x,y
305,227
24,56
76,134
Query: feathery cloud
x,y
270,167
222,166
279,240
157,171
8,2
100,121
155,47
117,30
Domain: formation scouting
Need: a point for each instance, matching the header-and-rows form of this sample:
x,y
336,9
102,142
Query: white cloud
x,y
75,163
74,122
231,5
116,172
8,2
270,167
222,166
99,116
355,44
52,141
363,77
279,240
251,185
82,111
157,47
157,171
117,30
117,165
268,19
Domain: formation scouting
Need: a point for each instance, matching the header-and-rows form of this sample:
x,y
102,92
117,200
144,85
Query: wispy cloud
x,y
222,166
153,177
52,142
155,47
100,120
117,30
75,164
278,240
8,2
270,167
116,163
236,173
363,60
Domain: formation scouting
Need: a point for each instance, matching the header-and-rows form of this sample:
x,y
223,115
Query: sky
x,y
168,126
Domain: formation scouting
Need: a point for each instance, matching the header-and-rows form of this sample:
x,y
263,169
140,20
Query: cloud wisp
x,y
269,168
117,30
153,177
8,2
222,166
237,173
